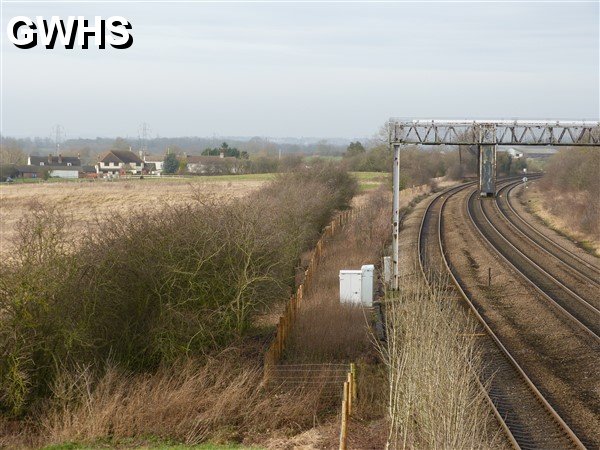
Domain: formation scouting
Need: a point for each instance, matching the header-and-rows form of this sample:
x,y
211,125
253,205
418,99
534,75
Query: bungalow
x,y
212,165
56,166
119,162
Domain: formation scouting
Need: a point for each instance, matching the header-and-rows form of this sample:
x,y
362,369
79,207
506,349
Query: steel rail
x,y
421,257
513,433
572,270
511,360
567,313
552,243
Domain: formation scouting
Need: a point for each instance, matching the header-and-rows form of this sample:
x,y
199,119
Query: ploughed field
x,y
89,202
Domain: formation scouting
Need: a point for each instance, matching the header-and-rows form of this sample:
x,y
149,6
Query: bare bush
x,y
434,396
571,188
145,289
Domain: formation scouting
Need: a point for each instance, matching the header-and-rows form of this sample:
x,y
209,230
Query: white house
x,y
56,166
119,162
212,165
154,163
513,152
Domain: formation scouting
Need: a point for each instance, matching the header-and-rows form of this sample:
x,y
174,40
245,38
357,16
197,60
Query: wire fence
x,y
276,349
334,380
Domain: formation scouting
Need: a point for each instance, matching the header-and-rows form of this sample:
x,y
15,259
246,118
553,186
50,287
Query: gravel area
x,y
561,362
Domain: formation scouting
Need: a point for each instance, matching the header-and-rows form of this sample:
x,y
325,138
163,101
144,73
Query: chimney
x,y
50,158
60,158
78,155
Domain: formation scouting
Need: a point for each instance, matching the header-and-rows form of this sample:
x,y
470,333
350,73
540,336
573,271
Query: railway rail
x,y
589,272
500,236
527,417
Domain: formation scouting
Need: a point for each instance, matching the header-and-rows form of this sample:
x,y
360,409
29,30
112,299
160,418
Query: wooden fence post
x,y
353,372
350,389
344,428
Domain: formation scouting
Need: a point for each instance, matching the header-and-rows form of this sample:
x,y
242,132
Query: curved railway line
x,y
514,251
587,270
528,418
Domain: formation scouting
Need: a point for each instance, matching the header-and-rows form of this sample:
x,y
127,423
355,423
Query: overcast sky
x,y
329,70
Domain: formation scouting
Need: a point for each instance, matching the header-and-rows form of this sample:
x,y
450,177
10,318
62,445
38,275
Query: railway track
x,y
589,273
526,416
514,249
586,273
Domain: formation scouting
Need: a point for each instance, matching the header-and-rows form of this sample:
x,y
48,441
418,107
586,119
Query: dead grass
x,y
325,330
89,202
220,400
564,212
434,396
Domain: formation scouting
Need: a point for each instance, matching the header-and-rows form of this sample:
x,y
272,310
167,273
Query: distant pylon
x,y
144,135
58,134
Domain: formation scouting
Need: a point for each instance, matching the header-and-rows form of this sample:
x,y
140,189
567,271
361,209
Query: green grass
x,y
371,176
370,180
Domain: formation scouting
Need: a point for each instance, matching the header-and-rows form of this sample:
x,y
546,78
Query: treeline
x,y
418,165
15,150
145,290
571,188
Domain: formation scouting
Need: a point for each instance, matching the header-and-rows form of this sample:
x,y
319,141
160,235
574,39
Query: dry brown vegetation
x,y
85,203
435,400
326,330
147,289
570,194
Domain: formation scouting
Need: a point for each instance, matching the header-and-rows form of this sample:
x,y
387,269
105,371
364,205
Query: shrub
x,y
571,188
146,289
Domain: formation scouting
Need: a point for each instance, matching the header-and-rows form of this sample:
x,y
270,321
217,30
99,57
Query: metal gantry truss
x,y
499,132
486,135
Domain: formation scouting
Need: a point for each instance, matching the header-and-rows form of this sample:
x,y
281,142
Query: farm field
x,y
91,202
88,202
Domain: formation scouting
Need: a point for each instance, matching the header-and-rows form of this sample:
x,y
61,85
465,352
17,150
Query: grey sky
x,y
305,69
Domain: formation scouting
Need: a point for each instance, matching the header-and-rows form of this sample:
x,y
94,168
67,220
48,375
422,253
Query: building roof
x,y
40,169
120,156
153,158
55,160
193,159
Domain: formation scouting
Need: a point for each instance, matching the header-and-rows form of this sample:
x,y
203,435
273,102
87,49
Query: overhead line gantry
x,y
485,135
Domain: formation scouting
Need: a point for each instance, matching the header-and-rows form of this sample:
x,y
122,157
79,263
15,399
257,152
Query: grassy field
x,y
146,179
88,202
371,180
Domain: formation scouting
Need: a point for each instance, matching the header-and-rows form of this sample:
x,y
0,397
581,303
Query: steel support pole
x,y
396,219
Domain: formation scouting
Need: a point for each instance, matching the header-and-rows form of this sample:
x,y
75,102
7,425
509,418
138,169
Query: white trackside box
x,y
366,291
350,286
357,286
